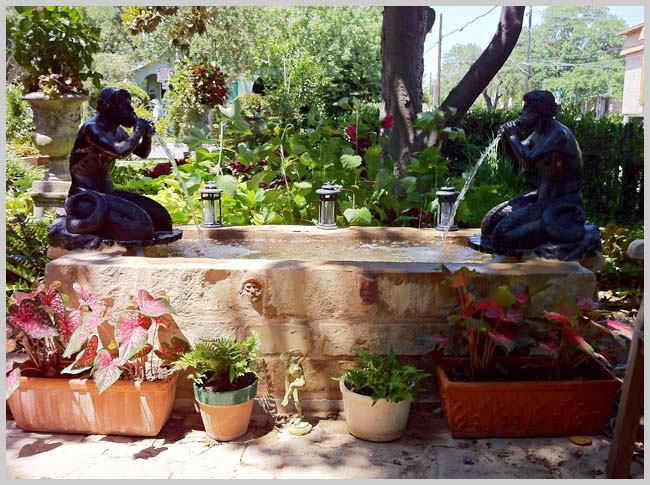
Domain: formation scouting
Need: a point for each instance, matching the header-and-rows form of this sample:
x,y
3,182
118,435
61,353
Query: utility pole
x,y
439,62
530,23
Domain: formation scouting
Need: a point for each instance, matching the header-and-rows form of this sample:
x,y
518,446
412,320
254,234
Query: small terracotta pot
x,y
226,415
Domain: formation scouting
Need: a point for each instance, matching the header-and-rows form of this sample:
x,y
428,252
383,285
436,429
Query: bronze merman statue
x,y
549,221
96,212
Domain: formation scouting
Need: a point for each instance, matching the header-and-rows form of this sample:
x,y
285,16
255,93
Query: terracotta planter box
x,y
75,406
526,408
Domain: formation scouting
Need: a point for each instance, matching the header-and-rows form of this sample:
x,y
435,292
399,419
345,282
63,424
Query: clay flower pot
x,y
226,415
383,421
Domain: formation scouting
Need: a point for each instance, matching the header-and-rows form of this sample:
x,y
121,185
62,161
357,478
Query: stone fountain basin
x,y
326,292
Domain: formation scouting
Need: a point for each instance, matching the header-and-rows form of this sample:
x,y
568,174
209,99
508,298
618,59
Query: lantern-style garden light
x,y
446,220
327,207
211,205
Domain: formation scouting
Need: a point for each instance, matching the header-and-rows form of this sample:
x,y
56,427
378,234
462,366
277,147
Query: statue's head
x,y
115,102
538,105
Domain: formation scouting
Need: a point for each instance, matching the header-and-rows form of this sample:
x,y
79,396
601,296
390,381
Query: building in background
x,y
634,72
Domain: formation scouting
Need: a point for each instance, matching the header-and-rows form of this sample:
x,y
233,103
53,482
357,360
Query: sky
x,y
477,24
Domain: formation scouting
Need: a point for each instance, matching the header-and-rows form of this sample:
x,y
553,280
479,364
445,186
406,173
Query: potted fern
x,y
377,396
91,369
224,377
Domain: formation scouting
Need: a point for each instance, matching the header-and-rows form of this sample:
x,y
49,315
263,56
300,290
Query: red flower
x,y
351,131
387,122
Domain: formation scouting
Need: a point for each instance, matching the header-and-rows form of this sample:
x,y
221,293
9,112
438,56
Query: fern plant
x,y
383,377
222,364
26,253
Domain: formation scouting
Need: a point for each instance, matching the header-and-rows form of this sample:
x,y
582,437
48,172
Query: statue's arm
x,y
144,147
122,145
535,148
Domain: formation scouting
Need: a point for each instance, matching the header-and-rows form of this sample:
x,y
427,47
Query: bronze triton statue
x,y
96,212
549,221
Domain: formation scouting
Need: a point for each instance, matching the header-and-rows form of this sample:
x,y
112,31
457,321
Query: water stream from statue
x,y
469,180
181,182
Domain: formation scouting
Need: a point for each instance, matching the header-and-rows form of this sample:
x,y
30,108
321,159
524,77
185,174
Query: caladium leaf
x,y
88,299
130,335
153,307
490,308
503,341
67,324
574,339
143,352
52,300
171,351
504,296
10,345
106,370
30,317
13,381
89,322
460,278
85,359
587,305
82,333
551,351
624,329
566,322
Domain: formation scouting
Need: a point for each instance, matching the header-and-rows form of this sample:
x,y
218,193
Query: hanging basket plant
x,y
201,83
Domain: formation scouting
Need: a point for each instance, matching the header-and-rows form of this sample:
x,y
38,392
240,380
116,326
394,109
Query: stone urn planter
x,y
56,121
226,415
56,405
526,408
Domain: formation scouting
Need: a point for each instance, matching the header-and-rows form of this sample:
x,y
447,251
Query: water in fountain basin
x,y
172,160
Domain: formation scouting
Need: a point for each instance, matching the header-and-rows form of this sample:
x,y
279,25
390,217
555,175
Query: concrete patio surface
x,y
183,451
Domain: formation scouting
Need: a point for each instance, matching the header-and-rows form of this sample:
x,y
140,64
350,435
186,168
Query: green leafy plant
x,y
252,104
486,327
222,364
383,377
26,250
19,125
621,274
94,339
54,45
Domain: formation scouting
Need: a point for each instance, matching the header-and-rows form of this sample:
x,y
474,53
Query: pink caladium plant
x,y
484,326
94,340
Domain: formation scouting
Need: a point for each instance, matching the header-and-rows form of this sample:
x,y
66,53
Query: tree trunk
x,y
402,52
487,65
480,73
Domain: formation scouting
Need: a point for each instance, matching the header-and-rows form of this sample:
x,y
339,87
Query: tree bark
x,y
487,65
402,51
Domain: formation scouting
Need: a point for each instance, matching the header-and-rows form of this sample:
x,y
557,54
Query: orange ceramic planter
x,y
75,406
527,408
226,415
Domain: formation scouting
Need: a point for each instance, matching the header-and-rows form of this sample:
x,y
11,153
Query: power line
x,y
460,28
